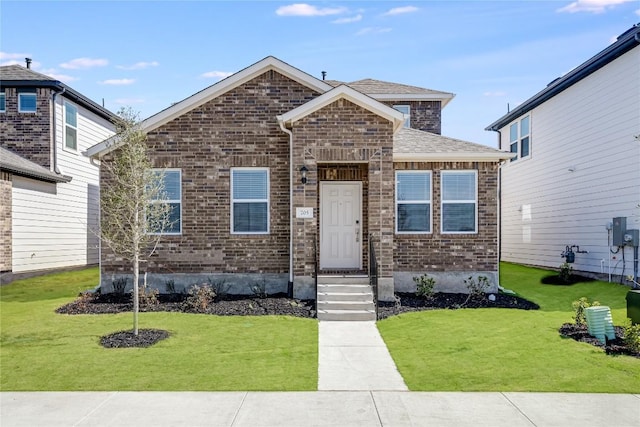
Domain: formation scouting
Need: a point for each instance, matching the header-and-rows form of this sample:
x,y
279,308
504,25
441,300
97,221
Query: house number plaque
x,y
304,212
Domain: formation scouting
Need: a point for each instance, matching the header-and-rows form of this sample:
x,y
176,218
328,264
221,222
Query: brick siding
x,y
424,115
27,134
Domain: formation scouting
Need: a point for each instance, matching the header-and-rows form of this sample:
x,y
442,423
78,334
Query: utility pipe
x,y
288,132
53,121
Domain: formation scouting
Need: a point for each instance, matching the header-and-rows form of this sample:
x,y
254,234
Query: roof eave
x,y
47,177
443,97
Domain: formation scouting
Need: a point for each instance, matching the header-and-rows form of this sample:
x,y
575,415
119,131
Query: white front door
x,y
340,225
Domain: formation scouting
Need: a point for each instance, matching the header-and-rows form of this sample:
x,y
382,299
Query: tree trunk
x,y
136,274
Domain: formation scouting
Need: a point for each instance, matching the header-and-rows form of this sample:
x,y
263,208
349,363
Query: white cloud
x,y
130,101
592,6
494,94
138,65
638,12
400,10
372,30
117,82
347,20
303,9
7,58
216,74
81,63
52,72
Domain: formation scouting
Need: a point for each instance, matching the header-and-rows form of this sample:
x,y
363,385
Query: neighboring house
x,y
48,189
271,163
576,164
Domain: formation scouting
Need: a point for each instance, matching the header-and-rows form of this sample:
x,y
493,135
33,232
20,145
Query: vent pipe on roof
x,y
28,61
324,74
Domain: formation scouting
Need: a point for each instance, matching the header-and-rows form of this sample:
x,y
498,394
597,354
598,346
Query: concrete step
x,y
337,280
346,305
345,296
346,315
343,288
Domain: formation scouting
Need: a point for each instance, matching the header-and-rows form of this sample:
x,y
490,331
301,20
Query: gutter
x,y
452,157
53,127
288,132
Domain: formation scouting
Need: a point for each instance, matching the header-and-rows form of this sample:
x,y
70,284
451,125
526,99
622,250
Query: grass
x,y
42,350
511,350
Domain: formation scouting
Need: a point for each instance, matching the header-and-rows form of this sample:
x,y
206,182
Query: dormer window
x,y
406,110
27,101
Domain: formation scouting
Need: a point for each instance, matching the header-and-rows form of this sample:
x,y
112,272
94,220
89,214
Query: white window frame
x,y
517,143
64,135
429,173
20,94
4,96
443,201
232,201
169,201
407,115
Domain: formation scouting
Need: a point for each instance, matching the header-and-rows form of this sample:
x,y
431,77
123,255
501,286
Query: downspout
x,y
53,121
288,132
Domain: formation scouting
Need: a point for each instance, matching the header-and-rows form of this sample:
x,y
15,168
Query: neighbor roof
x,y
18,76
625,42
11,162
382,90
416,145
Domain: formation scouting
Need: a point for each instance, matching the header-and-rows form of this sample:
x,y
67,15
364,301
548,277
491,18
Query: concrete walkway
x,y
344,409
352,356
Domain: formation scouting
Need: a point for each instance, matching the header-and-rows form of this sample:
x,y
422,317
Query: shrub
x,y
424,286
260,289
147,297
631,337
565,272
170,286
221,288
477,288
200,297
579,307
119,285
85,298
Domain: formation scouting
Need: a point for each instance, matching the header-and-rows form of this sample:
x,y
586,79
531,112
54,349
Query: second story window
x,y
3,102
70,126
27,101
520,138
406,110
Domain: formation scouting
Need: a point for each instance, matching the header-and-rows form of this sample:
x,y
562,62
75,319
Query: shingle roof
x,y
11,162
18,76
413,144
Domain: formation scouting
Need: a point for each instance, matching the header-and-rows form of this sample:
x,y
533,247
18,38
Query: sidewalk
x,y
295,409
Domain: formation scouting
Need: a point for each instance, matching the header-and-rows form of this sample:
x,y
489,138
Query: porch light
x,y
303,171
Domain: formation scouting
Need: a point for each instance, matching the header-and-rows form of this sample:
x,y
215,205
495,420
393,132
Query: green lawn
x,y
511,350
42,350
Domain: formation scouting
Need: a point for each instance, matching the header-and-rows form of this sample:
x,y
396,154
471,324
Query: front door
x,y
340,225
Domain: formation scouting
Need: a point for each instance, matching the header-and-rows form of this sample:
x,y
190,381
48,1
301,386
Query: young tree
x,y
133,216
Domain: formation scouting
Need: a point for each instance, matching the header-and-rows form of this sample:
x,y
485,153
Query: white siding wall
x,y
52,223
589,127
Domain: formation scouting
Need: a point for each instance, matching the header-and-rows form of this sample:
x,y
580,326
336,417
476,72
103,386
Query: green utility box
x,y
633,306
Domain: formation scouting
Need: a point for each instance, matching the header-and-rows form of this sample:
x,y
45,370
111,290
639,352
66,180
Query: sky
x,y
492,55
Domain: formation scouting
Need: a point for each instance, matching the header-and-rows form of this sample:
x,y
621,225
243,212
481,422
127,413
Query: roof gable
x,y
350,94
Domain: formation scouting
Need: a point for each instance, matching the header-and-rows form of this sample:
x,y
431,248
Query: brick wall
x,y
27,134
453,252
239,128
5,222
425,115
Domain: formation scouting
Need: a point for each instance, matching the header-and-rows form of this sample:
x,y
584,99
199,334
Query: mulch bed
x,y
555,279
126,339
581,334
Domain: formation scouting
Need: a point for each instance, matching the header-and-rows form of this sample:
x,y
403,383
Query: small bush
x,y
170,287
85,298
200,297
147,297
477,288
631,337
565,272
579,307
260,289
424,286
119,285
221,288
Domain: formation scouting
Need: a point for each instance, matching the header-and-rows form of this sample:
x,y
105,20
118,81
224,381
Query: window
x,y
459,201
70,126
250,200
3,102
520,138
413,202
26,102
406,110
172,195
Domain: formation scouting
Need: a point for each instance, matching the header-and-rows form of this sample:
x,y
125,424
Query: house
x,y
278,176
48,189
576,165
